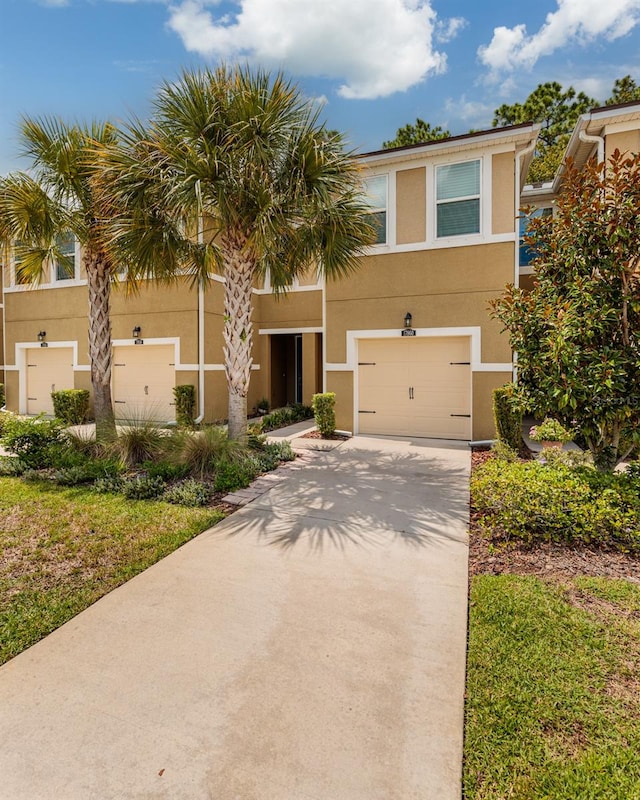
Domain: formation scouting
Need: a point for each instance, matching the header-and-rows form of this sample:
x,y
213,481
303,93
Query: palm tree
x,y
234,174
58,199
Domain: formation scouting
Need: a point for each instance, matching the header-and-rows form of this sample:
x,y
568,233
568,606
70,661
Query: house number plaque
x,y
408,332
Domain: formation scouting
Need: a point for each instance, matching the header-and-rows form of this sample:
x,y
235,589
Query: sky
x,y
371,65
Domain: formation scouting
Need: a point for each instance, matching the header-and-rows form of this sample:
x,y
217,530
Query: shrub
x,y
325,414
202,450
38,442
185,396
71,405
508,419
166,470
263,405
2,395
190,493
550,430
232,475
531,501
280,417
141,440
5,418
10,466
109,485
504,452
86,472
141,487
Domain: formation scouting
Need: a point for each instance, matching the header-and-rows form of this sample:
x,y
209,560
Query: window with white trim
x,y
18,278
458,199
64,269
376,189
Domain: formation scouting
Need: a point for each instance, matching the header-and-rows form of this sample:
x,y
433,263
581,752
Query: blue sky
x,y
373,65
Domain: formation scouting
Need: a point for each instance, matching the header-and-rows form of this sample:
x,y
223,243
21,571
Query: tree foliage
x,y
234,175
577,333
625,90
416,134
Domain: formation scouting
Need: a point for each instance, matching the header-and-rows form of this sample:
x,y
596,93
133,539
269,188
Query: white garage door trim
x,y
21,349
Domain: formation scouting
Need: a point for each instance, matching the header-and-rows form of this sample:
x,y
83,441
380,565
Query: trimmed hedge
x,y
185,396
507,419
280,417
324,407
71,405
531,501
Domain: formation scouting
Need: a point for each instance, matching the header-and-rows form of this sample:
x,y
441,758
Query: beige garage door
x,y
49,369
143,380
415,387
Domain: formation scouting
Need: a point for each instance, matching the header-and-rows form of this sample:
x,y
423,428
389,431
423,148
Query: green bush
x,y
38,442
141,440
2,395
71,405
508,419
5,418
109,485
532,501
202,450
280,417
10,466
142,487
87,472
190,493
167,470
232,475
325,412
185,396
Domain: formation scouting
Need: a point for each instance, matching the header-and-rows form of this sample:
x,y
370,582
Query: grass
x,y
553,689
61,549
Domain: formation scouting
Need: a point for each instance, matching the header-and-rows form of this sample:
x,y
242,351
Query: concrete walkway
x,y
310,647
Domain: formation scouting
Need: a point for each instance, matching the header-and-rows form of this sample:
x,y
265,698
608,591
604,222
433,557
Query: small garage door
x,y
415,387
49,369
143,381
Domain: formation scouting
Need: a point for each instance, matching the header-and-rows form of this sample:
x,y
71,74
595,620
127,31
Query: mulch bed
x,y
336,437
546,560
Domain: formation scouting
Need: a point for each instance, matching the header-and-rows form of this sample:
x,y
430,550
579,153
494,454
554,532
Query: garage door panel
x,y
48,369
416,386
143,381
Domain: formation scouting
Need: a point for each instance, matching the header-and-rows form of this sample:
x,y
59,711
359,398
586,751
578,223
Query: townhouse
x,y
406,342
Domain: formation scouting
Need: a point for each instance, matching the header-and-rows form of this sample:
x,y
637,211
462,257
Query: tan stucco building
x,y
406,342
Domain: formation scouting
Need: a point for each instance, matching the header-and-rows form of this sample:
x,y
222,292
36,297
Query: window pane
x,y
379,222
458,180
376,189
455,219
65,269
527,254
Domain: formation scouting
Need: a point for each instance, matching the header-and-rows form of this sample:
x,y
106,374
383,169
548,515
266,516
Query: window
x,y
458,199
18,278
376,190
527,254
65,267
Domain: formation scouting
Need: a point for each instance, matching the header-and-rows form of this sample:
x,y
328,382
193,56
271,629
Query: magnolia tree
x,y
577,332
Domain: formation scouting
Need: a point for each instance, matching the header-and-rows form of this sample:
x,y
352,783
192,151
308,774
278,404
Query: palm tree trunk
x,y
238,332
99,282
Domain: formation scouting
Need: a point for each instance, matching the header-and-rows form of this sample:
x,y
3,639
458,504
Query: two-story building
x,y
406,342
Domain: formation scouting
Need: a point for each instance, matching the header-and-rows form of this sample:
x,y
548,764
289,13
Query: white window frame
x,y
478,197
76,267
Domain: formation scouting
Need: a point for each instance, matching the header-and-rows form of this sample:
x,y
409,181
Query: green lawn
x,y
553,690
61,549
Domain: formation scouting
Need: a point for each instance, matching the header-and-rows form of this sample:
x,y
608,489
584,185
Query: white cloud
x,y
471,112
574,22
448,29
376,47
54,3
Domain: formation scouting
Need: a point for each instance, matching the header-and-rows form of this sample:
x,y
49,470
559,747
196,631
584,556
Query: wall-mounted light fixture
x,y
136,332
407,320
41,336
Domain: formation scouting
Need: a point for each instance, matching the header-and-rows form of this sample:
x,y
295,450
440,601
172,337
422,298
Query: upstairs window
x,y
65,267
18,278
527,254
458,199
376,192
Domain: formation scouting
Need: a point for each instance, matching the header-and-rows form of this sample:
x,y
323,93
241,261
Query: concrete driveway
x,y
310,647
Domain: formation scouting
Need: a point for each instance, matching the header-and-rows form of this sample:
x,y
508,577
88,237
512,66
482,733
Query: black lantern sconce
x,y
136,332
407,320
42,336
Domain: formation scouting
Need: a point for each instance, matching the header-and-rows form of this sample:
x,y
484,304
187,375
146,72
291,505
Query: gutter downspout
x,y
200,416
599,140
516,278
